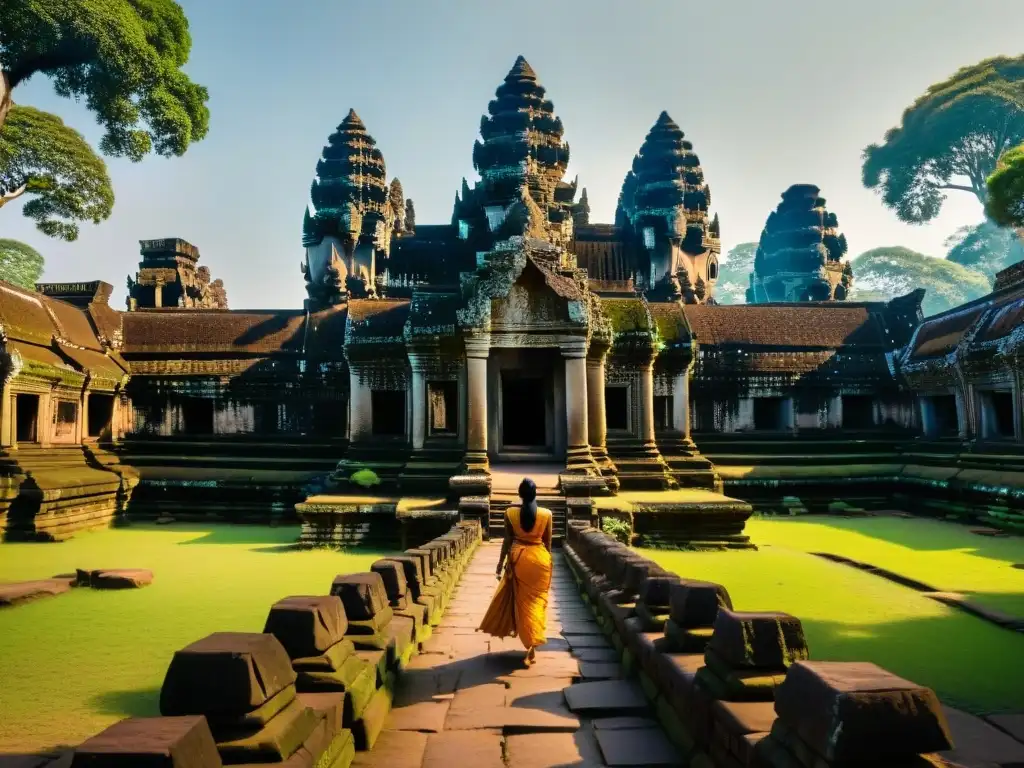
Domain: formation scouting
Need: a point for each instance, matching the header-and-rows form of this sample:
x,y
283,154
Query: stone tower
x,y
799,257
664,206
348,236
168,276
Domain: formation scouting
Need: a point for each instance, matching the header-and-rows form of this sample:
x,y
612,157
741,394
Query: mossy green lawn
x,y
850,615
73,664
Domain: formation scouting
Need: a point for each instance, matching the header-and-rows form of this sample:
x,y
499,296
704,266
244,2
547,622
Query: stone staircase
x,y
548,498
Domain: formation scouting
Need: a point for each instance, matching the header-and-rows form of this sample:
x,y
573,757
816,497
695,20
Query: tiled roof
x,y
23,315
1009,313
75,325
191,331
940,335
325,333
810,326
376,321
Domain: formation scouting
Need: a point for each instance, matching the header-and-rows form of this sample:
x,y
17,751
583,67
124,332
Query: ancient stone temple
x,y
432,365
168,277
800,255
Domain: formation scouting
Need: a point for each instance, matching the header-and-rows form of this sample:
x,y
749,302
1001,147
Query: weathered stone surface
x,y
637,747
554,750
656,591
392,573
225,674
606,696
362,594
276,741
120,578
1012,724
423,716
605,655
859,712
618,723
480,749
586,641
307,626
595,670
696,603
413,570
976,741
24,591
174,742
395,749
758,640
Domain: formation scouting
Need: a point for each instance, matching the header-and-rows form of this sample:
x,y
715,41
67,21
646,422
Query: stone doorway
x,y
26,408
524,426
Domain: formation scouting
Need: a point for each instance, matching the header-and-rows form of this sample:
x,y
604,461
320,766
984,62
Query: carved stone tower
x,y
168,277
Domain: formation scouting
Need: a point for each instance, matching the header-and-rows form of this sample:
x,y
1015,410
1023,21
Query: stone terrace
x,y
468,699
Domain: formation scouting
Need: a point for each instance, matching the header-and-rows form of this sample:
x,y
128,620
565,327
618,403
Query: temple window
x,y
939,415
64,417
713,270
443,401
26,418
662,412
770,413
197,416
858,412
616,406
101,413
388,412
463,230
997,414
649,238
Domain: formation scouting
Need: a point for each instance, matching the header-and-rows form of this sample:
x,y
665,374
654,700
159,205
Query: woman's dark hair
x,y
528,510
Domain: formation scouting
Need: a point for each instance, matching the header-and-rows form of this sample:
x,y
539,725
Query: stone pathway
x,y
469,700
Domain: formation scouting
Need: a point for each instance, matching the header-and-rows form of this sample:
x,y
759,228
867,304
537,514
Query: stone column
x,y
83,418
158,293
578,457
647,405
360,409
681,405
419,401
478,348
597,421
6,413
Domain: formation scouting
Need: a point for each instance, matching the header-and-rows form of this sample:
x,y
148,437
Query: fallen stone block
x,y
758,640
307,626
21,592
859,712
171,742
119,578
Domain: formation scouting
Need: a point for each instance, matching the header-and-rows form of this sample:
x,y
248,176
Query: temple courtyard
x,y
76,663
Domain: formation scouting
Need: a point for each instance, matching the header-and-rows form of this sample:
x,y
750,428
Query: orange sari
x,y
520,604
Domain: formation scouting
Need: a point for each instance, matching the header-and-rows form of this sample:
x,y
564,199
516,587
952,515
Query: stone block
x,y
637,747
276,741
367,728
427,562
849,711
25,591
413,571
656,591
151,742
392,573
116,578
692,640
307,626
362,594
618,697
225,674
746,640
696,603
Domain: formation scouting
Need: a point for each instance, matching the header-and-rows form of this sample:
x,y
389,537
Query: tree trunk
x,y
5,97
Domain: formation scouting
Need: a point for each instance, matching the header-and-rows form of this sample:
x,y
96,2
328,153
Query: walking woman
x,y
520,604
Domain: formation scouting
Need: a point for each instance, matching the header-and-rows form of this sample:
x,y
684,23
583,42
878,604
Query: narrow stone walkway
x,y
469,700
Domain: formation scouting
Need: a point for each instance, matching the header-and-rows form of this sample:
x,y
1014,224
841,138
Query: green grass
x,y
850,615
943,555
72,665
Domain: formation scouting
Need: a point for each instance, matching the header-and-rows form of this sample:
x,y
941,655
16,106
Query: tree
x,y
984,247
734,274
20,264
1006,190
45,159
885,273
949,139
123,57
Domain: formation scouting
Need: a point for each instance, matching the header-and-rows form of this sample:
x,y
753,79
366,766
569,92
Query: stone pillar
x,y
647,405
597,421
83,418
360,405
578,457
158,293
478,348
681,405
44,419
6,414
418,388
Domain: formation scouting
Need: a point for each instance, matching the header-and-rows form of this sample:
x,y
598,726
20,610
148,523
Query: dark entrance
x,y
26,417
101,413
523,412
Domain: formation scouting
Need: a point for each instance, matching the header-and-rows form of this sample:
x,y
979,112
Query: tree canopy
x,y
1006,190
949,139
985,248
52,164
123,57
20,264
888,272
734,274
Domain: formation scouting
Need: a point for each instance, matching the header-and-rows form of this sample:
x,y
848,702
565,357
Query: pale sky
x,y
771,93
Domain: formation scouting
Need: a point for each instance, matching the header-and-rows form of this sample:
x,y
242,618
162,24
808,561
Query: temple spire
x,y
521,70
